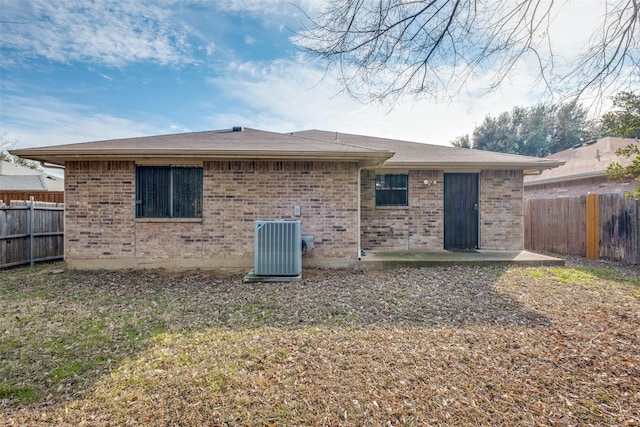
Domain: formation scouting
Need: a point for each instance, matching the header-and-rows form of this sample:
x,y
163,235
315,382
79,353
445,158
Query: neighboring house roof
x,y
8,168
19,178
251,144
586,160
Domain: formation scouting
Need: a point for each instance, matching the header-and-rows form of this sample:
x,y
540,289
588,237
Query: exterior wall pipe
x,y
32,224
359,201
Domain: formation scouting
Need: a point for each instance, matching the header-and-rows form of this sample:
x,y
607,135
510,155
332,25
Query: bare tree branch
x,y
384,49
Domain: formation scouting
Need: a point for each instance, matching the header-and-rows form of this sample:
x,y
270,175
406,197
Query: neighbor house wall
x,y
578,187
102,231
418,226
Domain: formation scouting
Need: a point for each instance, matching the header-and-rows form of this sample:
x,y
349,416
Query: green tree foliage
x,y
534,131
462,141
617,171
624,121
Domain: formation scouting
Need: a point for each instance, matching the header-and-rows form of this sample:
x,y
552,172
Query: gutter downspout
x,y
359,215
50,166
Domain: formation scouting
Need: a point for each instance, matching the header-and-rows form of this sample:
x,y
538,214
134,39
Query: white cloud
x,y
107,32
553,55
272,7
116,33
574,23
42,121
211,47
289,95
283,95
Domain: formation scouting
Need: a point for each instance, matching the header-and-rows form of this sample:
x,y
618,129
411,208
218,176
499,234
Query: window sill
x,y
392,207
187,220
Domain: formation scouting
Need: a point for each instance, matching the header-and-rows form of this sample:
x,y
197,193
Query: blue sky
x,y
81,70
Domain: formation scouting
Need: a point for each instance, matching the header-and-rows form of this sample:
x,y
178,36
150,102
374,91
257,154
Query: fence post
x,y
593,224
32,223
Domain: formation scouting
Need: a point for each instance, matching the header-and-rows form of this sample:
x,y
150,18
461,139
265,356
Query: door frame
x,y
466,214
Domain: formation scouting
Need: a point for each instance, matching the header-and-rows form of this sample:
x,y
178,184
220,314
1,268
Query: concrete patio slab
x,y
380,260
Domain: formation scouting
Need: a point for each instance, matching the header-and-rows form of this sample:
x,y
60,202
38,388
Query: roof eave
x,y
562,178
56,157
528,167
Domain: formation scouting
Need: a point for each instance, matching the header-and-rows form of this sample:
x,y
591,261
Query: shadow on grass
x,y
62,332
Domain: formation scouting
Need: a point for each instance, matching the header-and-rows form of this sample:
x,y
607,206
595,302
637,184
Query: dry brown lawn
x,y
410,347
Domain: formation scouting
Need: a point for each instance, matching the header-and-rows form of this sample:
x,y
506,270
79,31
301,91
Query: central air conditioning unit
x,y
278,248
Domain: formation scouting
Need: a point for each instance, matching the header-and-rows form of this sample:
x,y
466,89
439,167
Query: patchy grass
x,y
598,277
435,346
585,275
20,394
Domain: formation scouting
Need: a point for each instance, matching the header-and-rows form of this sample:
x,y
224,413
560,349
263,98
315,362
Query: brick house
x,y
190,200
583,171
19,182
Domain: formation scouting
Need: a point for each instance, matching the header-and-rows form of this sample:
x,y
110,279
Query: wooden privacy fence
x,y
31,232
605,226
38,196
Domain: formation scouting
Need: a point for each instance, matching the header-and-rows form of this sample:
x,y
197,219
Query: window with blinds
x,y
392,190
168,192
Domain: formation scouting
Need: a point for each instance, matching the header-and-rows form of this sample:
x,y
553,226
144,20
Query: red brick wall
x,y
501,210
172,238
240,193
414,227
101,223
99,209
419,226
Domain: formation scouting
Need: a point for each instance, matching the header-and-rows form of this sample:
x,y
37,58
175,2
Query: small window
x,y
392,190
168,192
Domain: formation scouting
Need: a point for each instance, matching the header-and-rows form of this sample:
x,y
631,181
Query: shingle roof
x,y
585,160
420,155
308,145
8,168
242,143
20,178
